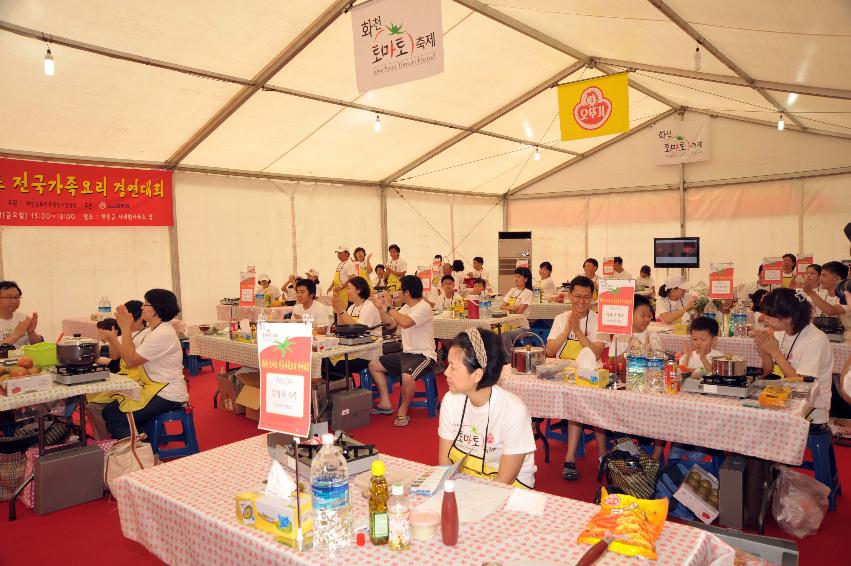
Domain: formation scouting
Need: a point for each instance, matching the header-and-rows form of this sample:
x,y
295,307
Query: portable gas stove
x,y
73,375
727,386
359,456
354,340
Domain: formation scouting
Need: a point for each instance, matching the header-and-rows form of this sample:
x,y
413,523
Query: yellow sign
x,y
594,107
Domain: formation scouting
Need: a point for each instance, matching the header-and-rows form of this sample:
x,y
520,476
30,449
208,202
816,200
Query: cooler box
x,y
350,409
67,478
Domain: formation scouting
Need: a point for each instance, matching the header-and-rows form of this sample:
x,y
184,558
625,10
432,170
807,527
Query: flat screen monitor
x,y
676,252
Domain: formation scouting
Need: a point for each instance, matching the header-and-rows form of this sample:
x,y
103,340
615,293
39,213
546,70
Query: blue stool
x,y
158,436
557,430
427,400
541,328
823,463
194,363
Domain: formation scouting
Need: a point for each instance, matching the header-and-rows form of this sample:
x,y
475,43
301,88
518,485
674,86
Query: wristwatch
x,y
389,308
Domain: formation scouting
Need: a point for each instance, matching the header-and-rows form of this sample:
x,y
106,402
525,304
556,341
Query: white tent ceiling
x,y
138,82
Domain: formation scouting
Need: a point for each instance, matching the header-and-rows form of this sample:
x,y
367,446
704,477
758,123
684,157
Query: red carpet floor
x,y
91,533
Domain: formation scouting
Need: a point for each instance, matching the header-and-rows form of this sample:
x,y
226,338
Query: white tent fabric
x,y
141,84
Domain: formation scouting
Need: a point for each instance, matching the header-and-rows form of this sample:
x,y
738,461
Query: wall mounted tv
x,y
676,252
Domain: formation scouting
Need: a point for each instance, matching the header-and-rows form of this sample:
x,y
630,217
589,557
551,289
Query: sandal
x,y
381,411
401,420
569,471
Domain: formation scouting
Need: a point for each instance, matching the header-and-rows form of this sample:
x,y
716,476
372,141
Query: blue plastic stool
x,y
823,463
427,400
194,363
541,328
558,431
158,436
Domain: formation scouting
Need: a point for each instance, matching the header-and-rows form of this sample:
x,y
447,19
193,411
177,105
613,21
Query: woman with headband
x,y
480,419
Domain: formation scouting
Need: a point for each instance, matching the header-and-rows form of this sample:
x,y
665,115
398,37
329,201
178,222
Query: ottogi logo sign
x,y
396,41
594,107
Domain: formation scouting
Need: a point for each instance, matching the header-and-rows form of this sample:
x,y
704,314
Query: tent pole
x,y
452,227
294,232
174,251
2,276
504,220
801,220
382,193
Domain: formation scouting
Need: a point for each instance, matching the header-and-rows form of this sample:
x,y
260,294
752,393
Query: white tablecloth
x,y
184,513
705,420
58,391
446,327
545,311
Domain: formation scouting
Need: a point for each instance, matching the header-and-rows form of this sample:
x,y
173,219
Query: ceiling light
x,y
793,96
49,67
537,154
780,123
376,127
697,58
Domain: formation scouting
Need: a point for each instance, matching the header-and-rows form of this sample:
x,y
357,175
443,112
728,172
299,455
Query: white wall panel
x,y
477,225
419,224
827,209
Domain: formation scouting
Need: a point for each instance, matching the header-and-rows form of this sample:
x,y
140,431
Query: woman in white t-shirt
x,y
546,283
360,311
480,419
520,296
673,304
158,351
792,346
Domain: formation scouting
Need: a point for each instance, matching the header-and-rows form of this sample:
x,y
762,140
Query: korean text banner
x,y
284,357
594,107
396,41
683,141
37,193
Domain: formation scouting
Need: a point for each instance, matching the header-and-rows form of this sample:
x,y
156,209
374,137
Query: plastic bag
x,y
799,504
634,524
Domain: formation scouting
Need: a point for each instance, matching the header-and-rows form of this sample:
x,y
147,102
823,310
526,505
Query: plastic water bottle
x,y
538,295
332,507
654,373
711,311
636,364
740,320
104,308
259,298
398,513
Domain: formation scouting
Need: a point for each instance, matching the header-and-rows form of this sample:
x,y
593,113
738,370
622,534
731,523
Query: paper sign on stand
x,y
247,282
772,271
804,261
284,352
424,273
436,270
721,281
615,305
608,266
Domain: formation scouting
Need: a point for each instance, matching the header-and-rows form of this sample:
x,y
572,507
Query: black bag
x,y
629,468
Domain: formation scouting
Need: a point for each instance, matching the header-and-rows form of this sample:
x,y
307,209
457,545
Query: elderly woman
x,y
155,353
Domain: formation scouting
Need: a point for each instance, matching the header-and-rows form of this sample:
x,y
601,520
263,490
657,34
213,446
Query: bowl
x,y
205,328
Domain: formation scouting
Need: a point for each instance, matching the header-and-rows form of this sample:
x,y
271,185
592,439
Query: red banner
x,y
38,193
721,281
284,355
615,306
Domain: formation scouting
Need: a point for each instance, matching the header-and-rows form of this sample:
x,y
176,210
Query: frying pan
x,y
350,330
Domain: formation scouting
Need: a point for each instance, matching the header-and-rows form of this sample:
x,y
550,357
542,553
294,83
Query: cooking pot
x,y
77,351
729,366
524,359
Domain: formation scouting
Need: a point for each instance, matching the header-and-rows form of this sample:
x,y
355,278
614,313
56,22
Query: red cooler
x,y
472,308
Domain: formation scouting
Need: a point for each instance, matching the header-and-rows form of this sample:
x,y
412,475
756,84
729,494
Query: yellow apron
x,y
341,296
776,369
510,301
127,405
571,347
362,273
393,282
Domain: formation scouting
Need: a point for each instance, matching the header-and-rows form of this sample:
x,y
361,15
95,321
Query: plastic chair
x,y
158,436
194,363
823,463
557,430
422,400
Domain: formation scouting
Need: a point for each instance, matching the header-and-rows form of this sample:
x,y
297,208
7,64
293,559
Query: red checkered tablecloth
x,y
746,348
184,513
705,420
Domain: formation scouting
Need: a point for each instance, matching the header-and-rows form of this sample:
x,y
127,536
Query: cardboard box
x,y
26,383
275,515
688,496
350,409
249,396
229,389
322,343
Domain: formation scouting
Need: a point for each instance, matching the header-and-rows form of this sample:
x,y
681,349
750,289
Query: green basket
x,y
43,354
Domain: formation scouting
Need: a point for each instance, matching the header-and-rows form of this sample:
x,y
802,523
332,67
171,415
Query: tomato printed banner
x,y
683,141
424,273
721,281
608,266
247,283
594,107
39,193
284,352
615,306
804,261
396,41
772,271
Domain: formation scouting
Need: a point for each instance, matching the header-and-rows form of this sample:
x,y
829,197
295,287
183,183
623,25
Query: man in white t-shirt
x,y
346,269
396,267
479,271
418,355
620,272
16,328
446,295
305,296
827,301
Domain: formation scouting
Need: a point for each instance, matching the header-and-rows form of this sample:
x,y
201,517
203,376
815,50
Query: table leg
x,y
12,511
536,424
348,373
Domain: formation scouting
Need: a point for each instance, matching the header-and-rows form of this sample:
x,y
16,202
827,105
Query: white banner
x,y
684,141
396,41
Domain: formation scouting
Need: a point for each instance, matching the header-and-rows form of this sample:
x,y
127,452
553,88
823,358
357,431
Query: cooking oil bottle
x,y
378,522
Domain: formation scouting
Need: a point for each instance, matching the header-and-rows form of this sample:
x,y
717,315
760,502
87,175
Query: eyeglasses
x,y
146,304
12,297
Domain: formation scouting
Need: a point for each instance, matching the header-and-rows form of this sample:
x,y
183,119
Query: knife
x,y
595,552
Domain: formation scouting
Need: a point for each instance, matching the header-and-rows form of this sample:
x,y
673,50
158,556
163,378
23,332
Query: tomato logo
x,y
613,500
593,110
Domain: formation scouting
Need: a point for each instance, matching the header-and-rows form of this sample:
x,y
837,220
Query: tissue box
x,y
321,343
588,377
697,499
275,515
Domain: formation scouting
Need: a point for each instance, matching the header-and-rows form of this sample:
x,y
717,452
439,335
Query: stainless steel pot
x,y
77,351
524,359
729,366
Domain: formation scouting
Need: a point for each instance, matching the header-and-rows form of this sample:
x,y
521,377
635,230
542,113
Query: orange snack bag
x,y
634,524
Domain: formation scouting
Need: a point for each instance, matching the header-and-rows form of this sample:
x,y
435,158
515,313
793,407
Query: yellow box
x,y
591,377
774,396
275,515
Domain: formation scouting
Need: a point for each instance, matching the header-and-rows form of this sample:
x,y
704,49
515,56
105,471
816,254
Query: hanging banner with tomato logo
x,y
615,304
396,41
772,271
284,351
594,107
721,281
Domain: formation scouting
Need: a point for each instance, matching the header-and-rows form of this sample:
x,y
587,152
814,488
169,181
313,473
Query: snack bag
x,y
634,524
774,396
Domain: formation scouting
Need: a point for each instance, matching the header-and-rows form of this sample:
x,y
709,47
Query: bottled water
x,y
259,298
711,311
484,307
104,308
740,320
636,364
654,373
332,508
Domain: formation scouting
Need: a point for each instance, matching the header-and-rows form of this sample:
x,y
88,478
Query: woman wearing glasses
x,y
154,352
16,329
